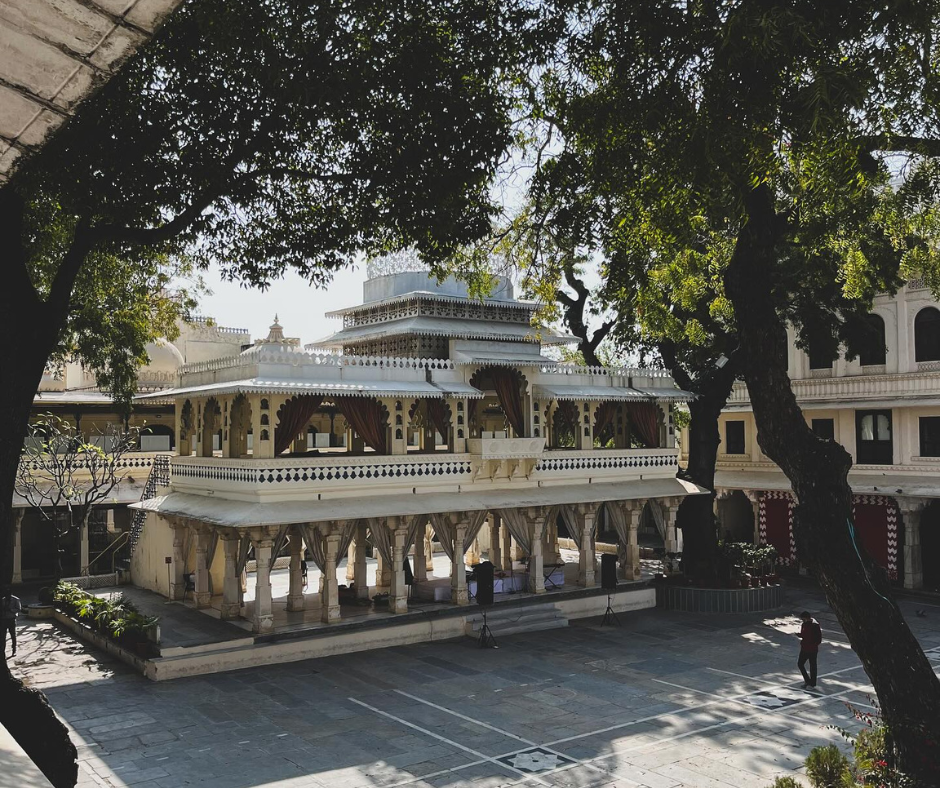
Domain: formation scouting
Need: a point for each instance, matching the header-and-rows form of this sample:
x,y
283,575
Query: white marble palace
x,y
429,417
884,408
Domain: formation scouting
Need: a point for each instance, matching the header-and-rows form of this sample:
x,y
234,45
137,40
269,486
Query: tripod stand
x,y
486,635
610,617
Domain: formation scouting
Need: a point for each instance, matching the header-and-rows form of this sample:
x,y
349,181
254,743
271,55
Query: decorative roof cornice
x,y
423,295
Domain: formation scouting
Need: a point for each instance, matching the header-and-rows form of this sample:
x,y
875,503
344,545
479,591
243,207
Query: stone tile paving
x,y
666,701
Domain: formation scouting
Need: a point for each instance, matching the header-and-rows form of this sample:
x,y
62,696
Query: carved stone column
x,y
329,600
361,567
202,595
586,548
263,618
231,592
631,571
428,549
496,553
473,554
672,544
83,549
536,564
295,593
911,510
754,497
18,546
383,577
507,548
458,573
178,564
351,560
421,567
398,591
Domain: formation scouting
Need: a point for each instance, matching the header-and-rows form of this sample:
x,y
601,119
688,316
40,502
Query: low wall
x,y
719,600
100,641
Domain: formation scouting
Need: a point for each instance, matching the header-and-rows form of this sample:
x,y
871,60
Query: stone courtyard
x,y
666,700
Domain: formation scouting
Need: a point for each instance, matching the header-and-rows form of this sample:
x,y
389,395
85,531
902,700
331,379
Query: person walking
x,y
810,638
10,608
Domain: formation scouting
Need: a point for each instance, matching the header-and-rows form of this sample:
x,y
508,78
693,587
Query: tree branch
x,y
890,143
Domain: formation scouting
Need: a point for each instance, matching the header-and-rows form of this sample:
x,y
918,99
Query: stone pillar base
x,y
230,610
202,599
263,624
295,603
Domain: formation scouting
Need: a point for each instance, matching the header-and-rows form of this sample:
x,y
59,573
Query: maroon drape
x,y
367,417
605,415
644,419
437,412
292,417
509,394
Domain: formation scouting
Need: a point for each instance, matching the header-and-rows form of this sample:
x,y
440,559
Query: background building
x,y
884,408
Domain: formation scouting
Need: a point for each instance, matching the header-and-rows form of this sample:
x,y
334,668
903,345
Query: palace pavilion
x,y
430,420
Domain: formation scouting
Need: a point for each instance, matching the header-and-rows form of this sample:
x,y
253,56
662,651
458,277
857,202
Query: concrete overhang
x,y
54,54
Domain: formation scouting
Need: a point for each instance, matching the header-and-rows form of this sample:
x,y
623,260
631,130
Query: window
x,y
873,437
734,437
927,335
819,360
873,352
824,428
930,436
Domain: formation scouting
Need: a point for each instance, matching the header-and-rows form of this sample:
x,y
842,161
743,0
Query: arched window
x,y
873,352
927,335
819,360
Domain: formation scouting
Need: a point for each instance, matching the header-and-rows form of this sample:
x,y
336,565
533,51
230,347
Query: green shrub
x,y
786,782
117,618
826,767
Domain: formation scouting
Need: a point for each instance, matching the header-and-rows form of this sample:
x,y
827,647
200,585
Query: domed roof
x,y
165,358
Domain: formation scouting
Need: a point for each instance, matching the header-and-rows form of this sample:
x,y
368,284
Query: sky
x,y
299,306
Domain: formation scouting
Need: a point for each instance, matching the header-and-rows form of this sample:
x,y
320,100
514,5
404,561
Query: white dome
x,y
165,358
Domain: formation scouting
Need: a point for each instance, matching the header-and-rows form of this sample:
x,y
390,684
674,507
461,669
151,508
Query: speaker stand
x,y
486,635
610,617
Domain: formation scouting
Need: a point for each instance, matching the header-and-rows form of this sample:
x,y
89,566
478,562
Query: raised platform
x,y
225,646
719,600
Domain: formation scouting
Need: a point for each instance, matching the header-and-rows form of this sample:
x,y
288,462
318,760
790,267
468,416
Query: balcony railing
x,y
510,462
867,386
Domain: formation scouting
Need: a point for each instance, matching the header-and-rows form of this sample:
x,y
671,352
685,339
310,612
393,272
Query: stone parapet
x,y
719,600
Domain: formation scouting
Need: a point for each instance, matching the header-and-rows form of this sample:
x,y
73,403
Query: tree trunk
x,y
696,516
856,588
33,332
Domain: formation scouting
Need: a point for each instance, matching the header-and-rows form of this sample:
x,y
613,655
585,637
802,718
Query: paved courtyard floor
x,y
665,700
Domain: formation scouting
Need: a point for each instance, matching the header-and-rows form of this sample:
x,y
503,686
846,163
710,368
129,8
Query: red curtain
x,y
437,412
367,417
871,530
509,394
292,417
644,419
777,524
605,415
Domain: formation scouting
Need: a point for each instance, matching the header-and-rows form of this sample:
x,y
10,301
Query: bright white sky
x,y
299,306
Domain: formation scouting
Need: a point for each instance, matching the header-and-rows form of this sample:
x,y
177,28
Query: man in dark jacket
x,y
10,608
810,638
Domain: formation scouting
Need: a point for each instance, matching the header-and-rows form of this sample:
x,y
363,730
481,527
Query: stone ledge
x,y
719,600
100,641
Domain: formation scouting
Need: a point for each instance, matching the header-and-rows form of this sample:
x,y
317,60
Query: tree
x,y
63,477
786,150
262,136
574,308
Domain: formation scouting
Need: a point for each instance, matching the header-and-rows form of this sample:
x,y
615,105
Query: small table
x,y
548,570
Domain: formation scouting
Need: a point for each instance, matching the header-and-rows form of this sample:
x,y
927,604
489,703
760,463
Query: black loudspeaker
x,y
484,577
608,571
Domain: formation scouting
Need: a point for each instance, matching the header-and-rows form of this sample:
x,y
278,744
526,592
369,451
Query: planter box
x,y
40,611
719,600
86,633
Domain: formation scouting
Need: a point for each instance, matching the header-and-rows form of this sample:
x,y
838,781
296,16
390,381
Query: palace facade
x,y
72,394
884,408
429,419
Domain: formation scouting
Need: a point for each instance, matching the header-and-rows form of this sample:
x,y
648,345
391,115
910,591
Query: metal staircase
x,y
159,477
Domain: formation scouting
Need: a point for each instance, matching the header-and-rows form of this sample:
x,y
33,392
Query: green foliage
x,y
116,617
264,137
826,767
786,782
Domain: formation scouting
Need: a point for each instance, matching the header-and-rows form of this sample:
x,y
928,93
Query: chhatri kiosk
x,y
428,412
